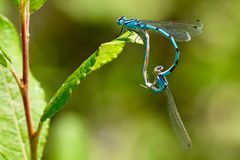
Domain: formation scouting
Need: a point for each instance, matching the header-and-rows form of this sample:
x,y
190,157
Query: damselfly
x,y
179,31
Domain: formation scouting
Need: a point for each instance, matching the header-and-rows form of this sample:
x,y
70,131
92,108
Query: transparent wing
x,y
180,30
177,123
178,35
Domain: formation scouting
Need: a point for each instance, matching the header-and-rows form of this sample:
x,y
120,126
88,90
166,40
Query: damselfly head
x,y
121,20
158,69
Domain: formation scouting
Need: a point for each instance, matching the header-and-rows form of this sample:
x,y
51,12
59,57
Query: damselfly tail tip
x,y
189,146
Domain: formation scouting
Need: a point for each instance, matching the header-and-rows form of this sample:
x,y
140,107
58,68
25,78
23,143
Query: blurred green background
x,y
110,117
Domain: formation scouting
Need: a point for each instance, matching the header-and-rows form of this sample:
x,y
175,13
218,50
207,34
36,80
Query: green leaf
x,y
3,60
14,139
7,44
34,4
105,53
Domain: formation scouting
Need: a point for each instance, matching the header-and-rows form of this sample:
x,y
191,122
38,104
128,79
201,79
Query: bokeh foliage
x,y
116,118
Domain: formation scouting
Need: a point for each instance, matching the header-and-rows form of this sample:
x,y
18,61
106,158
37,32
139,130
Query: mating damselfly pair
x,y
175,31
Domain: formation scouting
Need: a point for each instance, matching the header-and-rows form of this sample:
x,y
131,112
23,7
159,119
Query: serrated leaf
x,y
34,4
13,132
107,52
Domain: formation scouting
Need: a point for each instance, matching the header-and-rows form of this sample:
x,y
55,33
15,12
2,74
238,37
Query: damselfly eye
x,y
121,20
158,69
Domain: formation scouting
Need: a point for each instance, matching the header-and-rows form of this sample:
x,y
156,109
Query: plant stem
x,y
32,135
25,50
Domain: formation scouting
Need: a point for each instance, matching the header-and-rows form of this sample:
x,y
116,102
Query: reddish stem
x,y
25,17
25,50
